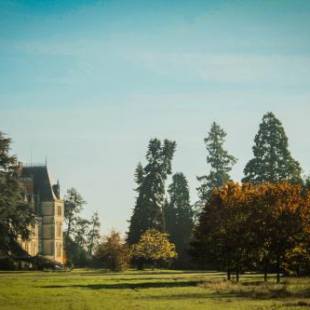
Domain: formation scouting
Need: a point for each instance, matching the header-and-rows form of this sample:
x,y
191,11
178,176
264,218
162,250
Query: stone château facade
x,y
47,234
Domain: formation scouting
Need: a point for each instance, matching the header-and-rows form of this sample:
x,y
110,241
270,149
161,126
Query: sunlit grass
x,y
151,289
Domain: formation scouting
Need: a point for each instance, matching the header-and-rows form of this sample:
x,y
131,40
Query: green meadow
x,y
151,289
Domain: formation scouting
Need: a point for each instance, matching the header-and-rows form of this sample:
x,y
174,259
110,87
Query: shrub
x,y
153,248
113,253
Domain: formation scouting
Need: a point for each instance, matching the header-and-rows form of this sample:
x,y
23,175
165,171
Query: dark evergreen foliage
x,y
272,160
16,214
150,181
179,216
219,159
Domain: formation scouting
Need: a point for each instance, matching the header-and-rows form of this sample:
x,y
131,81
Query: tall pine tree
x,y
219,159
179,215
148,211
272,160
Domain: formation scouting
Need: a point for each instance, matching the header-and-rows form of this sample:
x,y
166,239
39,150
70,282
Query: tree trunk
x,y
266,272
278,269
68,229
237,274
228,274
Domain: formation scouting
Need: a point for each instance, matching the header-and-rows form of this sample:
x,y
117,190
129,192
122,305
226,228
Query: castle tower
x,y
49,209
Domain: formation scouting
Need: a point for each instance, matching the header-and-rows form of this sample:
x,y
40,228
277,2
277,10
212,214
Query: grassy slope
x,y
84,289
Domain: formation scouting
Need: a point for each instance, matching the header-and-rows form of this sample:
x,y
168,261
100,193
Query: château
x,y
47,234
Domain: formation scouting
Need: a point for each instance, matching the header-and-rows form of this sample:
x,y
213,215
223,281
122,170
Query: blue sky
x,y
88,83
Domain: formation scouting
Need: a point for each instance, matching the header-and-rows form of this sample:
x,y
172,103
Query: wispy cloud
x,y
228,68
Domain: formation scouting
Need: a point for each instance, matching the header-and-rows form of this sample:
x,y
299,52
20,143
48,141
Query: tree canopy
x,y
112,252
220,162
16,213
248,225
272,160
154,246
179,215
148,211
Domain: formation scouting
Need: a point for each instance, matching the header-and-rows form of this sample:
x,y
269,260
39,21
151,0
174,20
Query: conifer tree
x,y
179,215
139,175
272,160
219,159
16,214
148,211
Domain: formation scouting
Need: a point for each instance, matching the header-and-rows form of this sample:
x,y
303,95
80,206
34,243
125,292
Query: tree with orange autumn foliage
x,y
252,226
222,235
297,259
279,223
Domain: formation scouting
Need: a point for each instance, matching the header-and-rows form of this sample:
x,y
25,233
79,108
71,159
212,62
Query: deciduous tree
x,y
93,235
16,214
154,247
247,225
74,204
113,253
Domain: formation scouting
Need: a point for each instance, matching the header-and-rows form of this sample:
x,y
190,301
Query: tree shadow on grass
x,y
255,290
187,296
232,295
273,294
219,290
168,272
134,286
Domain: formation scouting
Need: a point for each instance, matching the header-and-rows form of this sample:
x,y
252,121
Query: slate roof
x,y
41,182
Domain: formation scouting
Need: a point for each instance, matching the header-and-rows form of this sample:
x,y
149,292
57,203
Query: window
x,y
49,248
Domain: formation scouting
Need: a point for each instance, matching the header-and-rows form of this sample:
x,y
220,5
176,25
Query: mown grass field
x,y
158,289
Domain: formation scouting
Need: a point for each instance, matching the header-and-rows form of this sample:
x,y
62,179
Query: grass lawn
x,y
158,289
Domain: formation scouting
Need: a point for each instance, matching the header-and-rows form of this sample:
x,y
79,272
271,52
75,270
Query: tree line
x,y
259,224
231,231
